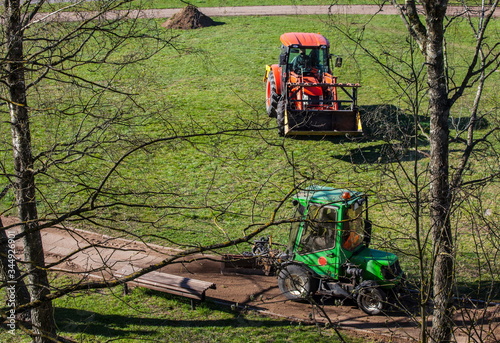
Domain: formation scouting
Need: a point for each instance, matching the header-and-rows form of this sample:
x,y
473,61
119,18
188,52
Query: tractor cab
x,y
335,226
328,251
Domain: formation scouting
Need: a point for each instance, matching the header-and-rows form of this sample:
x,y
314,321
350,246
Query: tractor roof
x,y
303,39
327,195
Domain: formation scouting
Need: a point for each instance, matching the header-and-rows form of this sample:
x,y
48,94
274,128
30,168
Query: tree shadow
x,y
112,325
395,131
388,125
380,122
388,122
478,293
381,154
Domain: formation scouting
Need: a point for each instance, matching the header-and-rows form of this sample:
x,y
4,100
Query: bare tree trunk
x,y
440,195
38,285
11,274
430,38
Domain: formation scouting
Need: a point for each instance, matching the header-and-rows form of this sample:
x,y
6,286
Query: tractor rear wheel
x,y
371,300
272,96
296,283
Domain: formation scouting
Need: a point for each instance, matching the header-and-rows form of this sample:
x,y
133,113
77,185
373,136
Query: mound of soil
x,y
189,18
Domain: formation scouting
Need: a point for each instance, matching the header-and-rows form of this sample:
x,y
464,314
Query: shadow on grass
x,y
389,122
111,325
485,291
388,125
395,131
381,153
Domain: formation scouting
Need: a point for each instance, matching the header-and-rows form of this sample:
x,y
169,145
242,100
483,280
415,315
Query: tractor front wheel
x,y
296,283
371,300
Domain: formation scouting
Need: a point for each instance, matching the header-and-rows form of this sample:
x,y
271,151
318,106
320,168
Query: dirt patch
x,y
99,254
189,18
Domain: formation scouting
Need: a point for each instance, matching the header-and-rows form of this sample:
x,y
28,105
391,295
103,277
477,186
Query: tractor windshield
x,y
308,60
354,227
319,229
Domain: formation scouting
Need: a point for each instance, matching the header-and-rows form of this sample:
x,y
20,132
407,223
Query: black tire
x,y
272,96
371,300
280,117
296,283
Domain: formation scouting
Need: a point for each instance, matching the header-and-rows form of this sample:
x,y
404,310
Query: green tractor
x,y
328,254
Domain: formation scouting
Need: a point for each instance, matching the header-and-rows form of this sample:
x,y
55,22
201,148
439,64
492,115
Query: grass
x,y
145,315
225,3
213,80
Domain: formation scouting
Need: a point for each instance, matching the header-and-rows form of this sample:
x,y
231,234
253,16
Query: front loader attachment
x,y
314,108
322,122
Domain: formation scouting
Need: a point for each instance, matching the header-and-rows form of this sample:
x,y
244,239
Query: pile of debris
x,y
189,18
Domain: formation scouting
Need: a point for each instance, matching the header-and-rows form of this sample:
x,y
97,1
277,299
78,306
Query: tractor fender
x,y
276,70
365,284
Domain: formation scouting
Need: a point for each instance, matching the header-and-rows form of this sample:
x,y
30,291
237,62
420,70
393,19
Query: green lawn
x,y
148,316
213,81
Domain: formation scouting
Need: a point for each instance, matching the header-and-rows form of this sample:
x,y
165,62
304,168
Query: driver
x,y
302,62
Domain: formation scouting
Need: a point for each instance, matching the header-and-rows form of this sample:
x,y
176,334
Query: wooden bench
x,y
169,283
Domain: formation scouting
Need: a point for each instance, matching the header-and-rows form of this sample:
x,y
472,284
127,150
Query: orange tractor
x,y
304,96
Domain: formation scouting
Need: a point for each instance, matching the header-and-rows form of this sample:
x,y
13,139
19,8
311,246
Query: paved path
x,y
99,256
240,11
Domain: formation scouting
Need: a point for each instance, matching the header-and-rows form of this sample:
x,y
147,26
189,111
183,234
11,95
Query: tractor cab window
x,y
294,230
319,229
354,227
303,60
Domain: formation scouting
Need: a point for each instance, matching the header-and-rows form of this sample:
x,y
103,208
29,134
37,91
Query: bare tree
x,y
36,53
9,270
442,95
24,181
68,78
431,76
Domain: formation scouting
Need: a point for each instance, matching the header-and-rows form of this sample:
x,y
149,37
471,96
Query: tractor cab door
x,y
318,242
